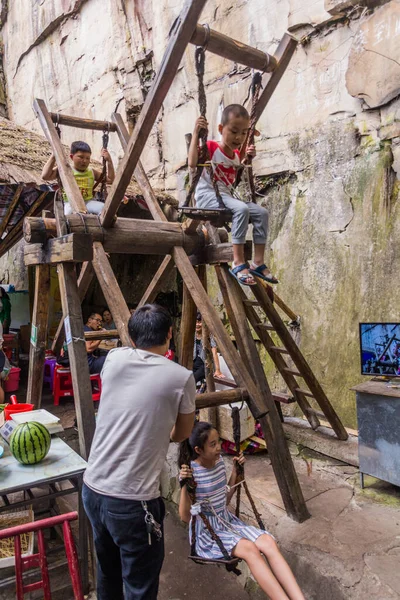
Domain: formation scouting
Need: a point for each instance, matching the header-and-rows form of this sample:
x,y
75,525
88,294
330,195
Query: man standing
x,y
96,363
146,400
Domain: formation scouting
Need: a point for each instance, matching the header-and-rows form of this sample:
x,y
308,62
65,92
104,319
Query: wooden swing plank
x,y
182,31
84,281
283,467
64,168
112,292
162,273
300,362
72,314
279,361
271,423
10,210
38,343
74,247
80,123
227,47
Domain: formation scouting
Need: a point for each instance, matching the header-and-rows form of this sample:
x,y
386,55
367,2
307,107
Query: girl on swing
x,y
240,540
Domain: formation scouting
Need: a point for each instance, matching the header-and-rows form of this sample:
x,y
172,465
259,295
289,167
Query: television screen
x,y
380,349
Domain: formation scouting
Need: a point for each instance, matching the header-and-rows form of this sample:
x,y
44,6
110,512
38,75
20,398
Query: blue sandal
x,y
258,272
235,271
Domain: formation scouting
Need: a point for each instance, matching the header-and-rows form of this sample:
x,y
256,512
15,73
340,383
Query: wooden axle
x,y
82,123
211,399
221,44
102,334
129,236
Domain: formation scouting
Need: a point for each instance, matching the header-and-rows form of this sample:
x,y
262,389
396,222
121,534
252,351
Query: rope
x,y
204,156
255,87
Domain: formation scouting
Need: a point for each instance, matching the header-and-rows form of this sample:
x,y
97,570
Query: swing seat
x,y
231,565
217,216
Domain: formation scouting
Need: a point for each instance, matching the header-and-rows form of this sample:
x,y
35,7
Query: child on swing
x,y
240,540
85,176
225,159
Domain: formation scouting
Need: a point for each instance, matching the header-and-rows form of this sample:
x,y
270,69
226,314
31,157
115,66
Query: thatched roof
x,y
23,154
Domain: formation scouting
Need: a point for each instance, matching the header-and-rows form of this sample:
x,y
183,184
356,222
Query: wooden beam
x,y
237,52
38,343
219,253
16,233
162,273
84,281
107,334
282,56
182,31
75,339
187,329
281,459
74,247
300,362
128,236
80,123
112,292
10,210
64,168
212,399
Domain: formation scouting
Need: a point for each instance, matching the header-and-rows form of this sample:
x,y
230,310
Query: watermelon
x,y
30,442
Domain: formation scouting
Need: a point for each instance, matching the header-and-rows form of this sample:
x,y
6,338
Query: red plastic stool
x,y
39,560
62,384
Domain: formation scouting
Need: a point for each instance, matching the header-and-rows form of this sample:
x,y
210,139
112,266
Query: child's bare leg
x,y
249,552
259,251
238,254
267,545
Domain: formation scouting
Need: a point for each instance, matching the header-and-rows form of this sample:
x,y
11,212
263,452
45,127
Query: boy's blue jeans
x,y
127,566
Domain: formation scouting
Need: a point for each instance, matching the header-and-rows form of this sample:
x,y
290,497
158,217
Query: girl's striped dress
x,y
211,486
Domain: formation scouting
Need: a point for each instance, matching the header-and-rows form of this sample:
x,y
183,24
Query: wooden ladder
x,y
288,348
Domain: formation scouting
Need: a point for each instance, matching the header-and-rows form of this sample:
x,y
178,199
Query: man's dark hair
x,y
149,326
80,147
235,110
93,315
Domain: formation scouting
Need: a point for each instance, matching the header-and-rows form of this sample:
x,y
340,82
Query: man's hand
x,y
105,154
201,123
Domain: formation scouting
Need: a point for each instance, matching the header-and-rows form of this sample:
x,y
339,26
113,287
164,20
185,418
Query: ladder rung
x,y
292,372
304,392
278,349
265,326
251,302
282,397
316,413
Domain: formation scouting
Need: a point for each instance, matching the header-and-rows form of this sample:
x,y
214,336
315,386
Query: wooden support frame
x,y
162,273
37,351
246,367
80,123
74,247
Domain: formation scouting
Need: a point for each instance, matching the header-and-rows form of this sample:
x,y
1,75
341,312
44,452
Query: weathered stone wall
x,y
328,158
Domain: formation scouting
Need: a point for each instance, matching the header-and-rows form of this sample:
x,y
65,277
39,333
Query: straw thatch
x,y
24,153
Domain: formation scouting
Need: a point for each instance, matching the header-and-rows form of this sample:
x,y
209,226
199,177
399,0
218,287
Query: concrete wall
x,y
328,158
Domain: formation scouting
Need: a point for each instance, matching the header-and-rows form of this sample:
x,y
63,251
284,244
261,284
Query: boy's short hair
x,y
236,110
149,326
80,147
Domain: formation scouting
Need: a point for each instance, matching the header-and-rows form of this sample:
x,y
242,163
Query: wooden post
x,y
163,272
207,414
38,342
64,168
188,328
181,33
75,339
112,292
84,281
271,424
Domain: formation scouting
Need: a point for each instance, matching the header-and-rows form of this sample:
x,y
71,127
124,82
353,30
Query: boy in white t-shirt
x,y
225,159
